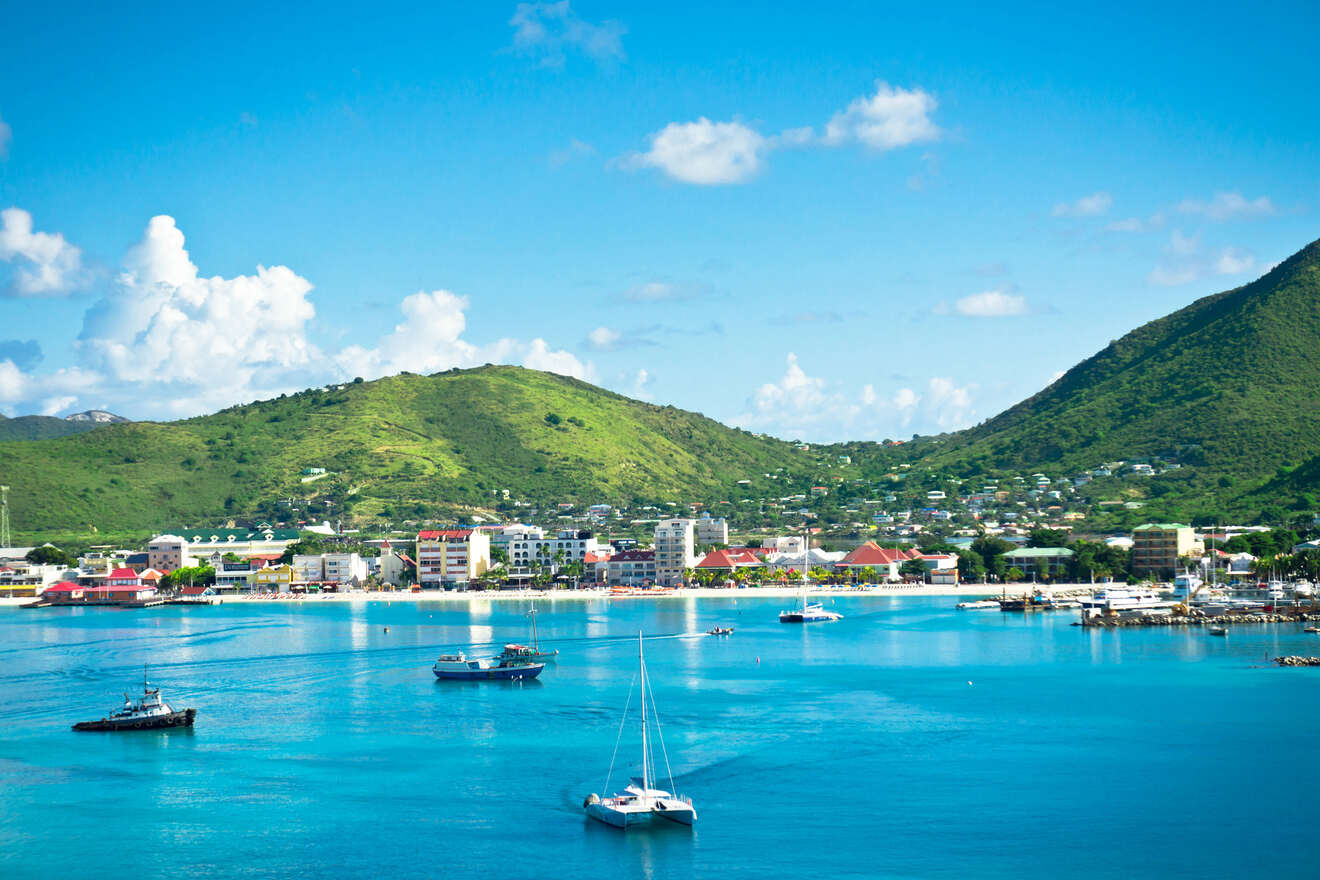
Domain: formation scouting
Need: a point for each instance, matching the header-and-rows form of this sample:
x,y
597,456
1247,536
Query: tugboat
x,y
148,713
460,667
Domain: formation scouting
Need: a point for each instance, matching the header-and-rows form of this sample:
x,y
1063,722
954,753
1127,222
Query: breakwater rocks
x,y
1197,619
1297,661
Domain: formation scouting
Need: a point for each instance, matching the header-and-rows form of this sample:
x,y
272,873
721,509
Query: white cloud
x,y
656,291
711,153
603,338
799,405
1227,206
641,385
1087,206
6,135
991,304
190,343
704,152
48,265
429,340
550,30
1186,261
892,117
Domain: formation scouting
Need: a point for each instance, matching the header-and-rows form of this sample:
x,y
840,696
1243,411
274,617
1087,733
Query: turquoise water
x,y
907,740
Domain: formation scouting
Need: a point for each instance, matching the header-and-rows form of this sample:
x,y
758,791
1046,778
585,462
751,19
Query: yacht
x,y
1186,587
460,667
1116,598
640,802
808,612
149,712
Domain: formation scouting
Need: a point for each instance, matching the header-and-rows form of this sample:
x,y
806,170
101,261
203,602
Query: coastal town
x,y
1225,568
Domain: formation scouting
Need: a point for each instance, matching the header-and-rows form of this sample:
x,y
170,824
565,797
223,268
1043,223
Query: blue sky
x,y
851,222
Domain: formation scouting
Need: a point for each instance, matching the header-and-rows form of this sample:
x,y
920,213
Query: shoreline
x,y
969,591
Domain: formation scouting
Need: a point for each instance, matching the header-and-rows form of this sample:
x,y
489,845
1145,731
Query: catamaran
x,y
640,802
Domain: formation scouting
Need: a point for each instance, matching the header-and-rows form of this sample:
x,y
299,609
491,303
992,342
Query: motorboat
x,y
720,631
641,801
979,605
1116,598
460,667
149,712
1218,631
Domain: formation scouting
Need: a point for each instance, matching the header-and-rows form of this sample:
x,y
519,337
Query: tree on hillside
x,y
48,555
1047,538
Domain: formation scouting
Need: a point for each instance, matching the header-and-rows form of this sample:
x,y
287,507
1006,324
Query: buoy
x,y
969,684
387,629
758,661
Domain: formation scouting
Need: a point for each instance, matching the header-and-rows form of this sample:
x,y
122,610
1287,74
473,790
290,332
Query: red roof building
x,y
872,554
123,577
729,559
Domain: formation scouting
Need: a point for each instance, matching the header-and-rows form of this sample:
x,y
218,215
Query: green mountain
x,y
404,447
40,428
1228,386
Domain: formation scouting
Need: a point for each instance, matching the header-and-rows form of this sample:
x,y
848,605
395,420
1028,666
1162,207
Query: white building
x,y
675,550
570,545
344,568
789,544
712,531
308,569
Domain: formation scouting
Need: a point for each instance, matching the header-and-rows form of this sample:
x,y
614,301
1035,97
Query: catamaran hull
x,y
500,674
807,618
617,819
160,722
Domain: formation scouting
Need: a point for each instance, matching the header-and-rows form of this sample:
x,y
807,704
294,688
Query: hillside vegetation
x,y
402,447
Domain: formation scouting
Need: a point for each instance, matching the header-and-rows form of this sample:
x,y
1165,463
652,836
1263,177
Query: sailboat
x,y
532,653
640,802
807,612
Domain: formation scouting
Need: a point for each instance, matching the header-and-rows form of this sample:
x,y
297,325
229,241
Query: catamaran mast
x,y
646,747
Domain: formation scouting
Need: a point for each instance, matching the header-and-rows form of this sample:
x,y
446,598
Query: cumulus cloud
x,y
47,264
892,117
713,153
430,339
1228,206
603,338
1086,206
991,304
641,385
550,31
704,152
1233,261
803,406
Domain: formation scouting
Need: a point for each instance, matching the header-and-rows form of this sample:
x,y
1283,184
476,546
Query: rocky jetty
x,y
1197,618
1297,661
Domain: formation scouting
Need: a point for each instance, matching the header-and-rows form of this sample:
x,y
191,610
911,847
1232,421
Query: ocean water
x,y
907,740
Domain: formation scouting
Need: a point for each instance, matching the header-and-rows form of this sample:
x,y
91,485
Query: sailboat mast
x,y
646,747
535,646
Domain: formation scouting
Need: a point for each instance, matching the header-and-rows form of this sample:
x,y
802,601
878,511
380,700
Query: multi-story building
x,y
675,550
1157,547
1039,561
274,578
451,557
712,531
344,568
241,542
309,568
631,568
571,545
169,552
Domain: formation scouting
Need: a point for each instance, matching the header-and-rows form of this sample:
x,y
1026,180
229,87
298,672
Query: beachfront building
x,y
274,579
631,568
64,593
23,578
169,552
1042,562
813,558
201,543
783,544
308,568
675,550
531,545
451,557
712,531
344,568
730,559
887,561
1157,547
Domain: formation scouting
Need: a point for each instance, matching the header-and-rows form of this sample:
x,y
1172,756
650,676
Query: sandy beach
x,y
878,590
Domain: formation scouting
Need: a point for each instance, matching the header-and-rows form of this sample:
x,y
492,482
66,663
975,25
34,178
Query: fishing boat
x,y
148,713
639,803
532,653
460,667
